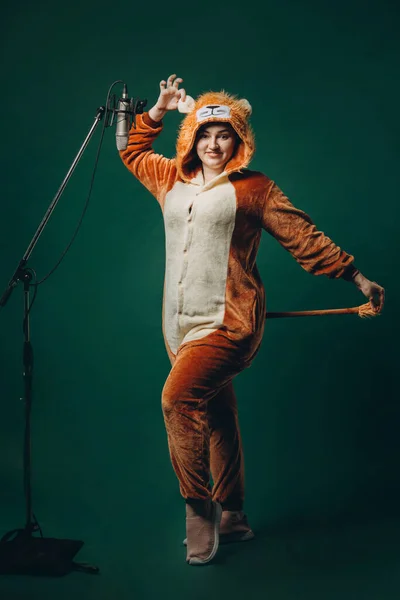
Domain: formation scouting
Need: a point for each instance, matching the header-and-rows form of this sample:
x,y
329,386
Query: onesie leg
x,y
226,452
198,374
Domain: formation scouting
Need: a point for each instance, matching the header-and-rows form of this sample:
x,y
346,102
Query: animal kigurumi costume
x,y
214,301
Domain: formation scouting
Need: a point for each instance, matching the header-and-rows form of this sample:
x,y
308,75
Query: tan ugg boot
x,y
234,527
202,531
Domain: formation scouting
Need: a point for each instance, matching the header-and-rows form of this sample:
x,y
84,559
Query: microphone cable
x,y
35,283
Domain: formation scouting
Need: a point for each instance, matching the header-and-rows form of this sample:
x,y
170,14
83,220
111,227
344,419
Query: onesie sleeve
x,y
296,232
153,170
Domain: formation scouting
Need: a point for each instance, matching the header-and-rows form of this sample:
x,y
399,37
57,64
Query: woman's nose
x,y
213,143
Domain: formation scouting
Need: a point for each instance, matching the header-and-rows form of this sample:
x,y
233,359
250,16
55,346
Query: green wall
x,y
319,406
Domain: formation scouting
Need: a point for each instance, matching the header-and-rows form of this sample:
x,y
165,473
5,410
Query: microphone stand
x,y
20,551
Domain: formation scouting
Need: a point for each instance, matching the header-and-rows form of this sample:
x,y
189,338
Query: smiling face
x,y
215,146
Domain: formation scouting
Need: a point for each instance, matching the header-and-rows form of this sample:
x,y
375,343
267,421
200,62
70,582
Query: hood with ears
x,y
217,107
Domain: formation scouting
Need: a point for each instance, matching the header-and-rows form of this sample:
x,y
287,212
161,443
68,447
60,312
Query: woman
x,y
214,308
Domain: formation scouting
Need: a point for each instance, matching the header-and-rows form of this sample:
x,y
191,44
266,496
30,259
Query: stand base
x,y
28,555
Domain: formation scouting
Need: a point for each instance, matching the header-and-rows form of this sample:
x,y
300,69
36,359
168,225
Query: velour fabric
x,y
201,417
214,302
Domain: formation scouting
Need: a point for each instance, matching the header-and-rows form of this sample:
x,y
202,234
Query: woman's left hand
x,y
372,290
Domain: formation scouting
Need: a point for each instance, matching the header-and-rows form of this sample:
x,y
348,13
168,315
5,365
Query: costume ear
x,y
187,106
246,105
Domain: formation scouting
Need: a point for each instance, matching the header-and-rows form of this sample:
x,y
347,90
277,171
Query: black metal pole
x,y
27,375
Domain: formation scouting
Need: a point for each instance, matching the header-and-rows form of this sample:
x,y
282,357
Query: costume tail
x,y
365,310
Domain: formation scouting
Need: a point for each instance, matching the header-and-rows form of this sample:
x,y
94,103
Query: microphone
x,y
123,120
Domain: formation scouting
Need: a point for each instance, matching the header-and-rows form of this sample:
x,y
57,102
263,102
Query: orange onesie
x,y
214,307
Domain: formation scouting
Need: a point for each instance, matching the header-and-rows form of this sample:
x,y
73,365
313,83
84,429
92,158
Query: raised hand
x,y
170,94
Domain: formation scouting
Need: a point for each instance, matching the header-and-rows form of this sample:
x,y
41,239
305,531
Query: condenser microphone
x,y
123,120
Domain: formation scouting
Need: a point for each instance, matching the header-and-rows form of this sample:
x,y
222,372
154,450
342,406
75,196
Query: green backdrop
x,y
319,407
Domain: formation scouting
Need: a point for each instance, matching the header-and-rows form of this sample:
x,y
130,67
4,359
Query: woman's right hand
x,y
170,94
